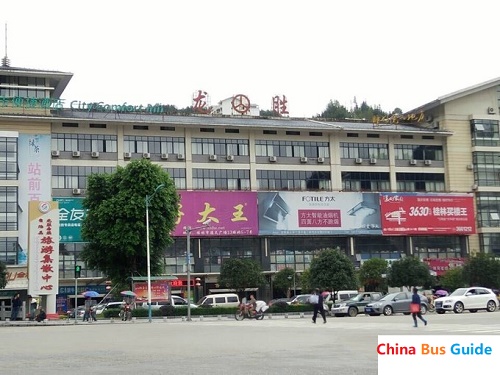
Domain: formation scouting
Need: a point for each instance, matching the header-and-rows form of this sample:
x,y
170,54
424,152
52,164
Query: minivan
x,y
220,300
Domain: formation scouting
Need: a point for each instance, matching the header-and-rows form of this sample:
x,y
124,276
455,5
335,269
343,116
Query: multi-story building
x,y
407,185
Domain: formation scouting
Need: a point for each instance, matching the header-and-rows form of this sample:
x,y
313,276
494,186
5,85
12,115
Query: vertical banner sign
x,y
34,178
43,259
71,215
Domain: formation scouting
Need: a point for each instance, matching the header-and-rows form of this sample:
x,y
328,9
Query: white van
x,y
344,295
220,300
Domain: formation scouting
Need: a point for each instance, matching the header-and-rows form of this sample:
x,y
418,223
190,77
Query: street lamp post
x,y
188,231
148,256
294,287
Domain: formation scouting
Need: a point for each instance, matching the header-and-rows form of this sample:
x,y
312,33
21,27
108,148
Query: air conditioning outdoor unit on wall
x,y
230,157
146,155
273,159
77,191
76,154
55,153
303,159
358,160
373,161
321,159
212,157
428,162
491,110
127,155
180,156
413,162
95,154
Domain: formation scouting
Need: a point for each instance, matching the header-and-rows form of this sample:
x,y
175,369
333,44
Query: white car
x,y
472,299
110,305
175,301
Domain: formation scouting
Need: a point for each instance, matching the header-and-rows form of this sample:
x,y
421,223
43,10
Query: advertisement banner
x,y
306,213
423,213
43,259
71,215
440,266
230,213
160,290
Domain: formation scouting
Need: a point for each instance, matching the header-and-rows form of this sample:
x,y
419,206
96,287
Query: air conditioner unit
x,y
428,162
474,187
470,167
413,162
55,153
164,156
95,154
491,110
373,161
303,159
146,155
321,159
180,156
358,160
77,191
127,155
230,157
76,154
273,159
212,157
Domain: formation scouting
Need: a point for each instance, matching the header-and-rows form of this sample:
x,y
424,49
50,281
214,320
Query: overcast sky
x,y
388,53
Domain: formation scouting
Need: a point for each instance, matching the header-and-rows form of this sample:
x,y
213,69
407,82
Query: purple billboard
x,y
230,214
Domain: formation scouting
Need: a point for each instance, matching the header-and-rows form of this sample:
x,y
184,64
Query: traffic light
x,y
78,270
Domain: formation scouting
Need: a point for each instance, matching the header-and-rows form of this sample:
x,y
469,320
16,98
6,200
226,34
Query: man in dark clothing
x,y
319,307
415,308
15,306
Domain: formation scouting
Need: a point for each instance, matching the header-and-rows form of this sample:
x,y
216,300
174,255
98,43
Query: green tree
x,y
482,270
241,273
334,110
305,281
115,224
283,280
453,279
408,272
372,274
3,275
332,270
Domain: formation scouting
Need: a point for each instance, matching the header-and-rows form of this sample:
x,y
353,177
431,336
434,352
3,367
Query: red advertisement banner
x,y
440,266
410,213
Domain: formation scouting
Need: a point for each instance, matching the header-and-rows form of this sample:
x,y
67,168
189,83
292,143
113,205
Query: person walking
x,y
317,301
15,307
415,308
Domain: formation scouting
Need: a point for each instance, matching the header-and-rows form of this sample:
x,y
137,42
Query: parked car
x,y
393,303
472,299
110,305
355,305
175,301
220,300
279,300
303,299
80,312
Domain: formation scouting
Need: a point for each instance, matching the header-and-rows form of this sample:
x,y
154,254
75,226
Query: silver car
x,y
393,303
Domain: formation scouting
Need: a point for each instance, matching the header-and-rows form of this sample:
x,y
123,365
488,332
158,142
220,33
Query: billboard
x,y
424,213
440,266
160,290
71,215
307,213
230,213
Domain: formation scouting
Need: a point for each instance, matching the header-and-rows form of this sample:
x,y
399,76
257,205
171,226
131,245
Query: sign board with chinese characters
x,y
423,213
71,215
43,258
309,213
230,213
160,291
440,266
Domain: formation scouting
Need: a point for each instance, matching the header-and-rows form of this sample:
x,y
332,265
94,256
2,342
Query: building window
x,y
221,179
490,243
293,180
366,181
292,149
486,168
485,133
216,146
9,250
379,247
66,177
154,145
421,182
364,150
215,250
179,177
84,142
8,208
8,158
437,247
418,152
488,210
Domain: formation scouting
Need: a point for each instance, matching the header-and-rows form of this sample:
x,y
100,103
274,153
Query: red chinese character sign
x,y
441,266
413,213
160,291
43,255
280,105
201,102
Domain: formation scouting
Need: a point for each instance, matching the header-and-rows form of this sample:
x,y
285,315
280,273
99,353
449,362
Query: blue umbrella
x,y
90,294
128,293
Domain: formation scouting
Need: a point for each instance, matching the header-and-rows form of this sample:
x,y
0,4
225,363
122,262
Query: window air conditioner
x,y
55,153
77,191
303,159
164,156
321,159
146,155
428,162
230,157
491,110
180,156
127,155
273,159
212,157
95,154
373,161
358,160
76,154
413,162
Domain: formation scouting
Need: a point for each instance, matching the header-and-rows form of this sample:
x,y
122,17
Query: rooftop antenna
x,y
5,60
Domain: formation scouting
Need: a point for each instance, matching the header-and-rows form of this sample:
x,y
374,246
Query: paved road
x,y
273,346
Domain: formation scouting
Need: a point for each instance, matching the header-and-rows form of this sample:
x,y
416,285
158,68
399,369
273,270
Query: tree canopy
x,y
408,272
335,111
482,270
115,224
284,279
372,274
241,273
332,270
453,279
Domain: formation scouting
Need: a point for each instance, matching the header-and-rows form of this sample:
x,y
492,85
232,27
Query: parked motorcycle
x,y
244,311
126,312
